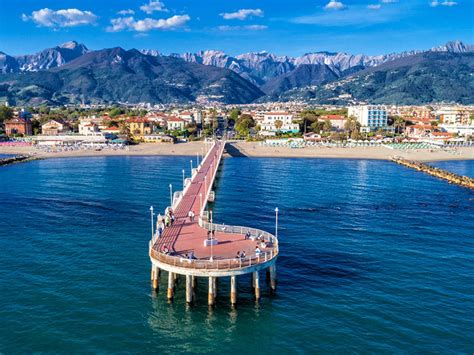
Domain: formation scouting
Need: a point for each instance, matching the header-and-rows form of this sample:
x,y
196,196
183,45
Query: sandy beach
x,y
253,149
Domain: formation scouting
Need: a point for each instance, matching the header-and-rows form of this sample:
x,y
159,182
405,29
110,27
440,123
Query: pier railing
x,y
215,264
223,263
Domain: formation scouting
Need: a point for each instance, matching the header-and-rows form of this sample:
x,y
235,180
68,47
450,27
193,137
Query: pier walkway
x,y
200,247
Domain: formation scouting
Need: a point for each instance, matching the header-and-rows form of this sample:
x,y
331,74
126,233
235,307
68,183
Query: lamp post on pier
x,y
151,217
191,161
183,178
197,158
276,222
171,195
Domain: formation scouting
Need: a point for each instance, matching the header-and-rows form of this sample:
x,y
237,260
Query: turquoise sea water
x,y
374,257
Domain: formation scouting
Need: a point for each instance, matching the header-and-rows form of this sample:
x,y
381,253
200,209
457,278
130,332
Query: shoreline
x,y
253,149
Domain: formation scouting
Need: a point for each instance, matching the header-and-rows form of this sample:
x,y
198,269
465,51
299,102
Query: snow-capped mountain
x,y
46,59
260,67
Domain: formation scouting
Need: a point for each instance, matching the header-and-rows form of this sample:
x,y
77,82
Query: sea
x,y
374,258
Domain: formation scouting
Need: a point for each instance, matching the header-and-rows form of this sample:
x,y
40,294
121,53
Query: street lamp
x,y
191,161
171,195
183,178
276,222
197,158
151,216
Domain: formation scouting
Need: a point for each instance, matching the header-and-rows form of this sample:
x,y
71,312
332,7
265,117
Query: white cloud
x,y
242,14
355,15
389,1
147,24
153,6
443,3
334,5
126,12
248,27
374,7
61,18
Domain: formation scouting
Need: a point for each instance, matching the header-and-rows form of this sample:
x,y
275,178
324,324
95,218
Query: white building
x,y
458,129
188,116
175,123
370,117
453,115
88,128
287,126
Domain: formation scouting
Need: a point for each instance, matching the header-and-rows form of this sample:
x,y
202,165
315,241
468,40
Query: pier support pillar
x,y
170,285
194,282
211,293
214,285
273,277
189,288
233,289
256,284
155,277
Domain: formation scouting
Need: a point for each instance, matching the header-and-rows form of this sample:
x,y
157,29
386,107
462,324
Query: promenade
x,y
199,247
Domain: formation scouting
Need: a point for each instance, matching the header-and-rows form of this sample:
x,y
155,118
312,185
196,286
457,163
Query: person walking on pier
x,y
257,251
191,216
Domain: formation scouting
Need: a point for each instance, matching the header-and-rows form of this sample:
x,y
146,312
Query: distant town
x,y
98,127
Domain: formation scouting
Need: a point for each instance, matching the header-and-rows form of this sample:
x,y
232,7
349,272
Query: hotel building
x,y
370,117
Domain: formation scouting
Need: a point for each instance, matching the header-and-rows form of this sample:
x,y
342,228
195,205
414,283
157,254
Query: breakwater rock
x,y
15,159
464,181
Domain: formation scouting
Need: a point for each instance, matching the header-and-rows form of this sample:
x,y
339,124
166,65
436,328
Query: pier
x,y
452,178
200,247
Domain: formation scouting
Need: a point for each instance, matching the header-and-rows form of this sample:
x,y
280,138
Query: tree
x,y
6,113
399,124
278,125
355,135
243,125
317,126
351,125
307,118
233,116
327,126
116,111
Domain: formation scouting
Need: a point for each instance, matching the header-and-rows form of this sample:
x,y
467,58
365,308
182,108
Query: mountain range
x,y
76,74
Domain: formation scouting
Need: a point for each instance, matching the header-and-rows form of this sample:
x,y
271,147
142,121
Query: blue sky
x,y
282,27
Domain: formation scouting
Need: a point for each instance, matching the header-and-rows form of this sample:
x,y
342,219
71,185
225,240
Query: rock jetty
x,y
464,181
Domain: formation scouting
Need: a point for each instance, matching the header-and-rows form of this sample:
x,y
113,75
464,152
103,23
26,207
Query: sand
x,y
253,149
190,148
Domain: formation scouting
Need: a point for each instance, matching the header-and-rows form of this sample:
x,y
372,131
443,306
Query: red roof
x,y
16,120
175,119
137,120
113,128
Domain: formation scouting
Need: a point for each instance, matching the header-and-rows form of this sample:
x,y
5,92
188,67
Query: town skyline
x,y
358,27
